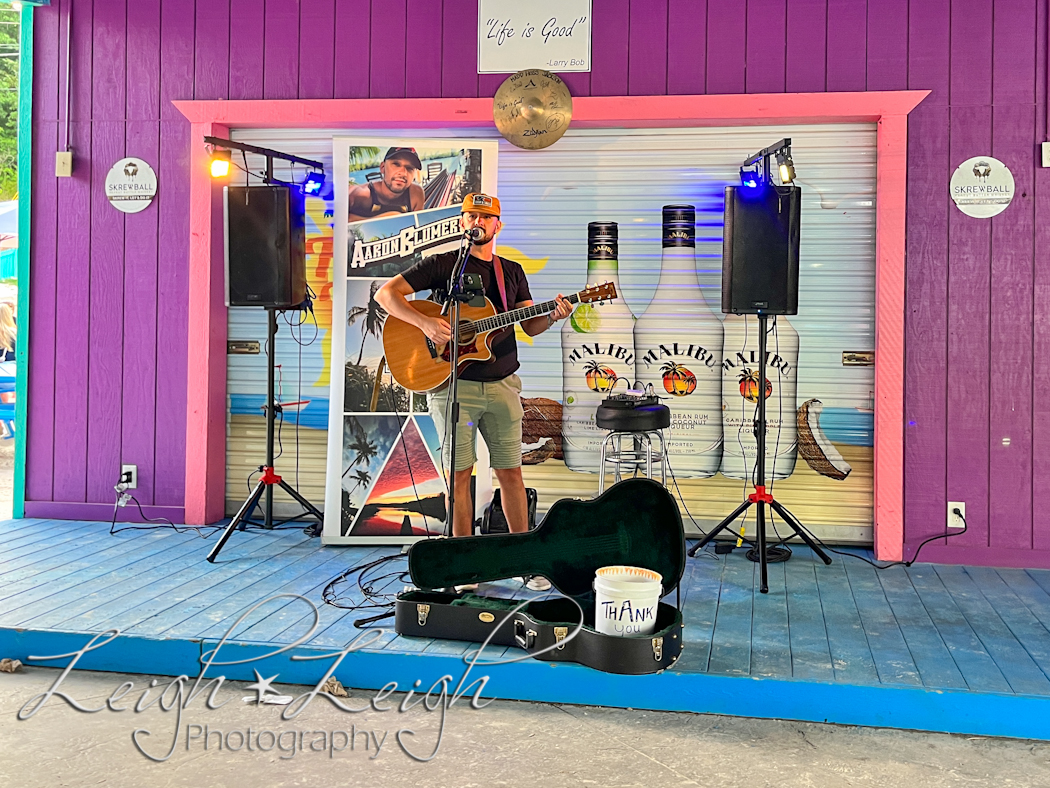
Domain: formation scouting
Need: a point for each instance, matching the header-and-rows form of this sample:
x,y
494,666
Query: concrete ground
x,y
505,744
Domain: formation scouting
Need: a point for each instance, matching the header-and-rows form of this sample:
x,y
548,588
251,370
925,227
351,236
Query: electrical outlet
x,y
134,471
64,164
954,521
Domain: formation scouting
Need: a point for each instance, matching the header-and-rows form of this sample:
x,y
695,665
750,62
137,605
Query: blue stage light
x,y
313,184
750,177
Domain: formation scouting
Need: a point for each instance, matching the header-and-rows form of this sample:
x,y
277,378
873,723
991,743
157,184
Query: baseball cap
x,y
481,203
408,154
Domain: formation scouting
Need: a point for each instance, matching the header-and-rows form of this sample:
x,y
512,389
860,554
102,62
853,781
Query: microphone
x,y
474,233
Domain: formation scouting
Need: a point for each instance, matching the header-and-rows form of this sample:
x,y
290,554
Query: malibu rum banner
x,y
678,345
597,346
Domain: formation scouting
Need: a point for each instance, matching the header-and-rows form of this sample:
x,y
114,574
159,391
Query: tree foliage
x,y
9,27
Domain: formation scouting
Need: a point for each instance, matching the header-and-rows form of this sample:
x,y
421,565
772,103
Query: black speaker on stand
x,y
265,246
266,267
760,245
760,250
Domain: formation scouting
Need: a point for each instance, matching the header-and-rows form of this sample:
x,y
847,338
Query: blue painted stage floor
x,y
946,648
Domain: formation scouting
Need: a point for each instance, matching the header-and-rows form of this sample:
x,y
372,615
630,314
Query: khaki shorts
x,y
493,408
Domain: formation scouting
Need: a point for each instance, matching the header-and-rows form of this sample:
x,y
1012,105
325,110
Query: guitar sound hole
x,y
466,333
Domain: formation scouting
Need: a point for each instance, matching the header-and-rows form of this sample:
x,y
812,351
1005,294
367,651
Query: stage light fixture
x,y
751,177
313,184
220,163
221,148
756,170
787,166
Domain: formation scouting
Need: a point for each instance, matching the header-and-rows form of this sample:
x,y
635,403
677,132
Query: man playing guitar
x,y
489,393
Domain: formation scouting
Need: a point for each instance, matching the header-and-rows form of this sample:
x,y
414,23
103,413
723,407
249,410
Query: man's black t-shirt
x,y
433,273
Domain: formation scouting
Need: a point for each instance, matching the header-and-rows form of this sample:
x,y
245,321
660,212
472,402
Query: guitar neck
x,y
518,315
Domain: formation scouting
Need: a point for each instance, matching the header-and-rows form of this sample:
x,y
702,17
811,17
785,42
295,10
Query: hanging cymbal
x,y
532,108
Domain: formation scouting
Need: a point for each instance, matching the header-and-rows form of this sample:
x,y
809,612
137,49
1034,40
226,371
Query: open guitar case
x,y
635,522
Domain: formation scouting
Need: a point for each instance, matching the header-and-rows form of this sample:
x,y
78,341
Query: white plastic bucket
x,y
625,600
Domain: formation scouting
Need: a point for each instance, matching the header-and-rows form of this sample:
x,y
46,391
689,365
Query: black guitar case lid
x,y
635,522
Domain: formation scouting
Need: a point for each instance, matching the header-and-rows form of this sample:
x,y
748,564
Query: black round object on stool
x,y
645,418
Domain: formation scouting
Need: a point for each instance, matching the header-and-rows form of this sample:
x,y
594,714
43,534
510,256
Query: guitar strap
x,y
497,266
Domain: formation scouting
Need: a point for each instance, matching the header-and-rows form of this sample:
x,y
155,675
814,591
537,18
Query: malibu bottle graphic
x,y
741,371
678,349
597,351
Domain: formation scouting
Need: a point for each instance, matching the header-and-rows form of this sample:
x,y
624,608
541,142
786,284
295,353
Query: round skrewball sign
x,y
131,185
982,187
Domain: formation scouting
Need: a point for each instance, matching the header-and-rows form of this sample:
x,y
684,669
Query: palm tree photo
x,y
362,478
363,448
372,318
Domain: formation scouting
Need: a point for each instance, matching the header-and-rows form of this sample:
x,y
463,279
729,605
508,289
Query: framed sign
x,y
554,35
982,187
131,185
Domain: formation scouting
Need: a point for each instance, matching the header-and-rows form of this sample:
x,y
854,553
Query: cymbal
x,y
532,108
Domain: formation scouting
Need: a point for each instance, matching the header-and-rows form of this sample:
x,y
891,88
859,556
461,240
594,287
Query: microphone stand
x,y
453,299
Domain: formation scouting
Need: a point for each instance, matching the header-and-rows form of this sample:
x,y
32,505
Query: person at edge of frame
x,y
489,392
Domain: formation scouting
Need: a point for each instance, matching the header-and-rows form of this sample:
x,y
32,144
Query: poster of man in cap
x,y
403,196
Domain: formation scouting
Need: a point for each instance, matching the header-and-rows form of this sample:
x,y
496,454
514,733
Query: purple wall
x,y
108,311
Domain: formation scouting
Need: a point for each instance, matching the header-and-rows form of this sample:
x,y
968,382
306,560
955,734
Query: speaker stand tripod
x,y
760,497
269,478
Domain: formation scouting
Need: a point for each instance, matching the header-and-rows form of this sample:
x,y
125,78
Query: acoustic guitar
x,y
419,364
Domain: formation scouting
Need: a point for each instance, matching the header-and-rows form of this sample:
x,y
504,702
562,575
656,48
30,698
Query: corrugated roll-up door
x,y
626,176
